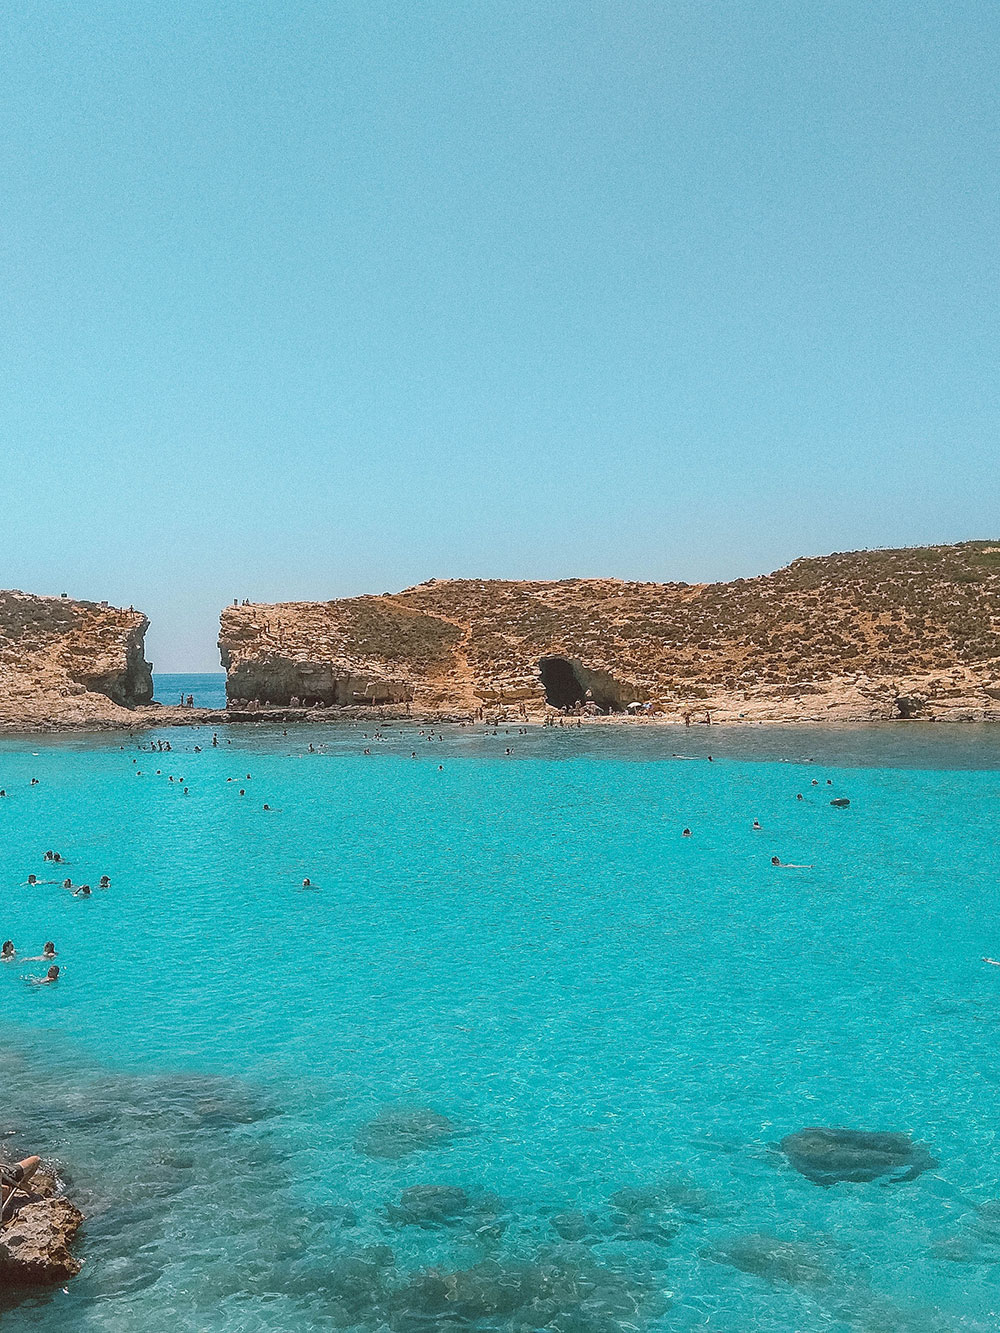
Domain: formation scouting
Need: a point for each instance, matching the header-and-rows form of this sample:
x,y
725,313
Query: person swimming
x,y
7,951
82,892
788,865
104,882
993,962
32,879
51,975
67,884
46,956
686,833
756,824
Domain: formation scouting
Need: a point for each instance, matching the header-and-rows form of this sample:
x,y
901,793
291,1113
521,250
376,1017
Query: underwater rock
x,y
773,1259
446,1205
356,1283
571,1226
825,1156
551,1291
641,1216
396,1132
428,1205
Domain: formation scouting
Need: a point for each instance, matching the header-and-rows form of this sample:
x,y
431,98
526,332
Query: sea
x,y
521,1055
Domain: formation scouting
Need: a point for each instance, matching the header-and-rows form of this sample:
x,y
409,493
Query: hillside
x,y
867,634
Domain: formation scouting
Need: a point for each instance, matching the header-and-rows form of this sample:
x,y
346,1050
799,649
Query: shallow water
x,y
526,947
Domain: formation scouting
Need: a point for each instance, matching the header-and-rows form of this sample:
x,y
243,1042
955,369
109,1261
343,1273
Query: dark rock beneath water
x,y
447,1205
773,1259
396,1132
573,1226
827,1155
551,1291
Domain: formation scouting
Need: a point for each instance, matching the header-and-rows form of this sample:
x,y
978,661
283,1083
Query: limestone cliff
x,y
70,663
864,635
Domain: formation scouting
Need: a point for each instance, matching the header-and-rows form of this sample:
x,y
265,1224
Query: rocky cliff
x,y
911,633
70,663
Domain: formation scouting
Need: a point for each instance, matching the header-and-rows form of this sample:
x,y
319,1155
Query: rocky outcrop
x,y
35,1242
865,636
70,663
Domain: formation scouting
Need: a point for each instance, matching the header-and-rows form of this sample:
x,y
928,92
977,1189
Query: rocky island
x,y
862,636
65,663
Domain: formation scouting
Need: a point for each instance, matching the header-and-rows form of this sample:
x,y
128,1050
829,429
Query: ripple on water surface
x,y
525,1058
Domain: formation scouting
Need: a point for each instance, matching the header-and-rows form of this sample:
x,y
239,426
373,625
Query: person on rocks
x,y
14,1178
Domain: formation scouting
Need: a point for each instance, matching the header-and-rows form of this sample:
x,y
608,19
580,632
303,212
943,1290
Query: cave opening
x,y
562,686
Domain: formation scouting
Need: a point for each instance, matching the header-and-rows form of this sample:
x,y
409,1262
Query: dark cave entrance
x,y
560,682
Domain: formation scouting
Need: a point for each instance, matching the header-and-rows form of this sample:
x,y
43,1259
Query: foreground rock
x,y
35,1243
867,636
826,1156
65,663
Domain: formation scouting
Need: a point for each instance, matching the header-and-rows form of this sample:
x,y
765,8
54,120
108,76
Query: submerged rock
x,y
551,1291
827,1155
396,1132
573,1226
771,1258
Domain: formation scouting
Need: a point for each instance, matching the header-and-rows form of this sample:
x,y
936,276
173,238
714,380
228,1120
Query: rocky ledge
x,y
35,1243
66,663
864,636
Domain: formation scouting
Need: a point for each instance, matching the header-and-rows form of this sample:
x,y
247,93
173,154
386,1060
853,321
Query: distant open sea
x,y
513,978
208,688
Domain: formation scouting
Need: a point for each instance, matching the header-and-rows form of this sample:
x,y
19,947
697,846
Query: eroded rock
x,y
825,1155
34,1245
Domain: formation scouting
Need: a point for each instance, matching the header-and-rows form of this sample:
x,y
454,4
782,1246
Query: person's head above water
x,y
104,882
32,879
67,883
7,950
776,860
53,973
49,949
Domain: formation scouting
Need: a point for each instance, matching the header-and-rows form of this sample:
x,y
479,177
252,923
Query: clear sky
x,y
310,299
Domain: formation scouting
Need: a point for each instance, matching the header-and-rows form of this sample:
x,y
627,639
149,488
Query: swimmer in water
x,y
67,883
104,882
993,962
7,952
47,954
756,824
32,879
82,892
51,975
686,833
788,865
308,884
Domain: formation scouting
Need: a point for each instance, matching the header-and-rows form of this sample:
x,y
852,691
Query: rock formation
x,y
864,636
35,1242
69,663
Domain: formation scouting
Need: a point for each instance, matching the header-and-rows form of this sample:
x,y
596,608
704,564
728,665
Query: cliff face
x,y
70,663
864,635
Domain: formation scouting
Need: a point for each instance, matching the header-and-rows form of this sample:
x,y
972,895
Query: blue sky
x,y
304,300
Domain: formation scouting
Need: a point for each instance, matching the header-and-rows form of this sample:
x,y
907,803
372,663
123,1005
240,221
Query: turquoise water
x,y
207,688
525,946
